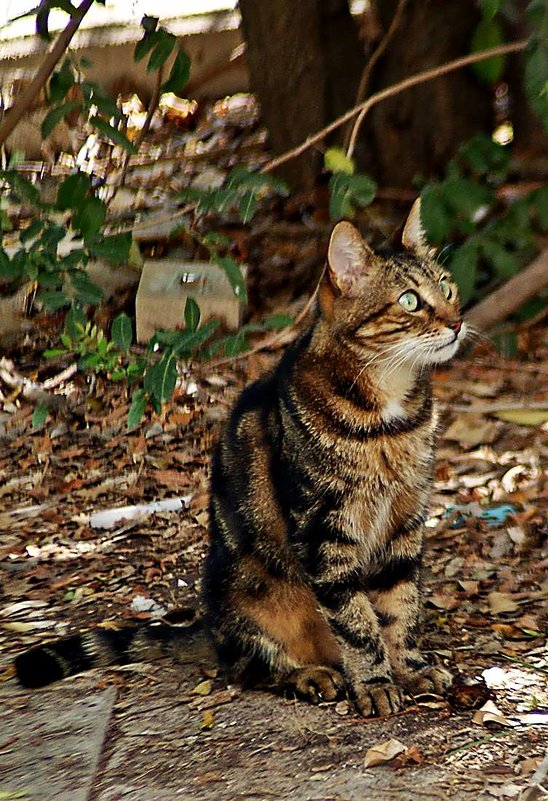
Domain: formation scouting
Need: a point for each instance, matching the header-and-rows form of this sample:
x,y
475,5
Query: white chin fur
x,y
443,354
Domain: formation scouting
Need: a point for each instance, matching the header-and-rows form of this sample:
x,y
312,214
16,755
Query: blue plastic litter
x,y
495,516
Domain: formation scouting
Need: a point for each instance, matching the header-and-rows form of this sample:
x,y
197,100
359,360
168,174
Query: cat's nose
x,y
455,326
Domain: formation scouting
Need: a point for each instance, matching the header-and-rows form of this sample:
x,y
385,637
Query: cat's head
x,y
404,307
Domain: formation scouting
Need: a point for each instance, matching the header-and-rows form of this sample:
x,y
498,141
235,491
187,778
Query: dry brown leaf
x,y
383,752
472,429
490,713
501,602
442,601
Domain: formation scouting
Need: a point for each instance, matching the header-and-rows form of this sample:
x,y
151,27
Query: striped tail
x,y
56,660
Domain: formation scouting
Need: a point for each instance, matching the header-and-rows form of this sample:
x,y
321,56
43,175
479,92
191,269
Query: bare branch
x,y
381,47
390,91
29,95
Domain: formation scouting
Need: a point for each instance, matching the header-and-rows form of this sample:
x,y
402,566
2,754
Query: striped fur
x,y
320,486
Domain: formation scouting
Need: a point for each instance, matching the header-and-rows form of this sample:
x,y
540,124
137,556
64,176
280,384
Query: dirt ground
x,y
177,729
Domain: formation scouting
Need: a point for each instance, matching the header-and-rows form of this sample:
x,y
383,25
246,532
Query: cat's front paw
x,y
378,699
316,683
429,679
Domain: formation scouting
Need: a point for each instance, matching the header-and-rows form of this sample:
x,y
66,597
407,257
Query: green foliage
x,y
348,190
49,254
486,241
158,44
488,34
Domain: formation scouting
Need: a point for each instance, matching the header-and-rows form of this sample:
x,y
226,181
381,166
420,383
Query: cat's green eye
x,y
410,301
446,290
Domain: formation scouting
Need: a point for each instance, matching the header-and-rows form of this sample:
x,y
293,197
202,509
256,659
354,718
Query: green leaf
x,y
244,177
490,7
179,73
73,191
464,267
482,156
192,314
5,264
113,134
536,79
234,275
465,197
336,160
363,189
434,213
60,82
340,197
235,344
162,50
87,293
505,263
121,332
145,45
90,217
22,187
95,95
161,378
40,415
278,321
53,353
114,249
247,206
55,115
188,341
31,231
488,34
53,300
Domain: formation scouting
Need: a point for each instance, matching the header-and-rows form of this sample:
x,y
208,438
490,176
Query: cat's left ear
x,y
414,236
349,259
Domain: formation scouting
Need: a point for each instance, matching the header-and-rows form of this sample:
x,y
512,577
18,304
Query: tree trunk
x,y
305,61
417,132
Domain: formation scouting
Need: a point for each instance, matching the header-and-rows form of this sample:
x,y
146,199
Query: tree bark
x,y
305,61
418,132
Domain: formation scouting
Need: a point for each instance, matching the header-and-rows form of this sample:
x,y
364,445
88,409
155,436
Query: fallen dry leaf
x,y
203,688
490,713
472,429
501,602
523,417
467,694
383,752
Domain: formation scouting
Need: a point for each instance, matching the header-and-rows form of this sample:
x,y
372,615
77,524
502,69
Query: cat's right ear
x,y
349,259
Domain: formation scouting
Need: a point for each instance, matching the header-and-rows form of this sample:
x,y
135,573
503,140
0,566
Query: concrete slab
x,y
51,741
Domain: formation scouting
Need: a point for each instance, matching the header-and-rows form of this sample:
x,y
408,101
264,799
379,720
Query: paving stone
x,y
51,741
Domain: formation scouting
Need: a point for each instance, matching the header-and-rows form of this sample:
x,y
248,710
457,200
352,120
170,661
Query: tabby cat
x,y
319,494
320,487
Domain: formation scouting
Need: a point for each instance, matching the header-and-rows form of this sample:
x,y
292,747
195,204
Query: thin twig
x,y
29,95
381,47
390,91
486,408
152,106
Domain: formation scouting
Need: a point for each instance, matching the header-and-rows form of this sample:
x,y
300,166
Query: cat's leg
x,y
272,634
395,593
365,658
